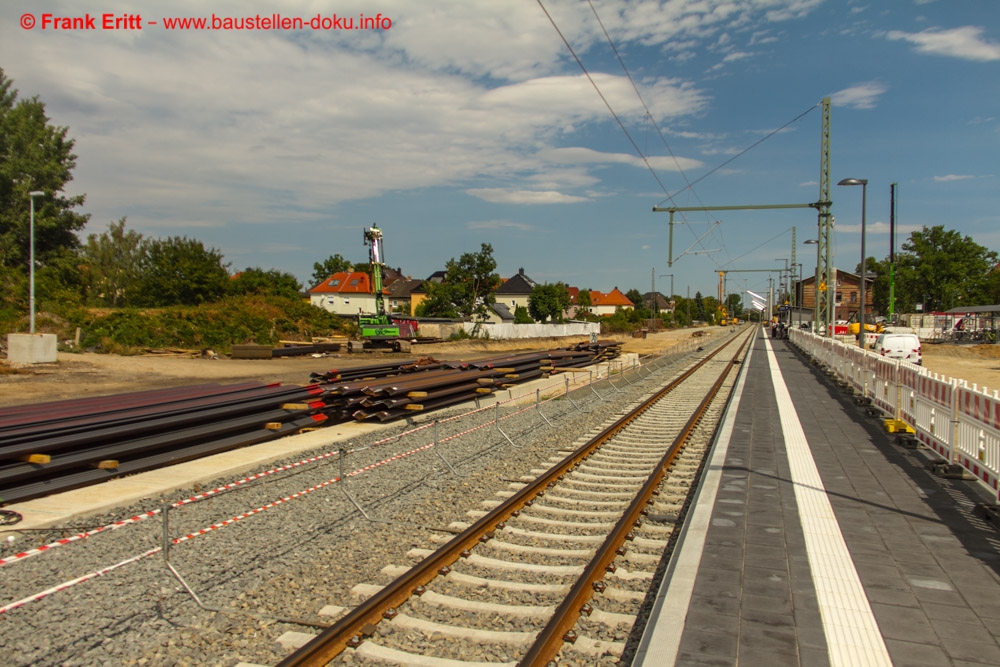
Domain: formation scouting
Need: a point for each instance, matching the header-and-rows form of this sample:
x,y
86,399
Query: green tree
x,y
181,271
734,304
521,316
34,156
257,281
548,302
583,302
329,266
699,307
635,296
472,282
942,269
111,265
439,302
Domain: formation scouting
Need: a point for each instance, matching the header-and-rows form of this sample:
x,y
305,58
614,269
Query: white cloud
x,y
952,177
965,42
808,184
505,196
581,155
862,96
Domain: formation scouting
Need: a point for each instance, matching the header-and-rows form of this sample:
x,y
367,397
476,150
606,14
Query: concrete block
x,y
36,348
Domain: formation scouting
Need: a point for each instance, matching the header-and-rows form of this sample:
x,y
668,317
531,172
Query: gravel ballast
x,y
289,561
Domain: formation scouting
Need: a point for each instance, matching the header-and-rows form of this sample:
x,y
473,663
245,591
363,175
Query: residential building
x,y
601,303
346,293
515,290
399,295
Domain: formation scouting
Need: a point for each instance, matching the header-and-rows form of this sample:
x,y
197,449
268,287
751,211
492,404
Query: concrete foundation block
x,y
31,348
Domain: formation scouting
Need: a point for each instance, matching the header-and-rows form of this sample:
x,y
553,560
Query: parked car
x,y
905,346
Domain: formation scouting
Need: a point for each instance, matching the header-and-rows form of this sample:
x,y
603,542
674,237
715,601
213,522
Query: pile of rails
x,y
53,447
64,445
390,391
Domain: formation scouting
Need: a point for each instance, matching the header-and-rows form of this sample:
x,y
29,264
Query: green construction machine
x,y
380,329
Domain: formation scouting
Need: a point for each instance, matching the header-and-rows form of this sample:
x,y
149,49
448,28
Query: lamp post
x,y
863,182
31,261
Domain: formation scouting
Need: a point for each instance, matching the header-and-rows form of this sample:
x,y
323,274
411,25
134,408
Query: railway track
x,y
559,569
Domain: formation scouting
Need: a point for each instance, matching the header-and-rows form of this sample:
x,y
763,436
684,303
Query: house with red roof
x,y
601,303
345,293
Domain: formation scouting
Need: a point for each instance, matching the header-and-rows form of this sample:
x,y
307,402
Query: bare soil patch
x,y
89,374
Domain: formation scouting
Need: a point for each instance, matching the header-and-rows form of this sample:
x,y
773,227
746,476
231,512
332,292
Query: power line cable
x,y
746,150
603,99
652,121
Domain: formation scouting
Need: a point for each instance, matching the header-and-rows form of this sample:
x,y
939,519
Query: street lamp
x,y
863,182
31,260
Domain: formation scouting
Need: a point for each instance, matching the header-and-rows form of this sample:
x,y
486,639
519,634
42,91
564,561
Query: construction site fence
x,y
959,422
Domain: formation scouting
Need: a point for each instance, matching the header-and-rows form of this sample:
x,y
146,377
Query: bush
x,y
232,321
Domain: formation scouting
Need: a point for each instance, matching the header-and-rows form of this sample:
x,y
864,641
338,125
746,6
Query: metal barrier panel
x,y
908,375
883,386
933,411
855,368
978,446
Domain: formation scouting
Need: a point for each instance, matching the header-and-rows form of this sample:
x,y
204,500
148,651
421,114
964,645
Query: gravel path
x,y
289,561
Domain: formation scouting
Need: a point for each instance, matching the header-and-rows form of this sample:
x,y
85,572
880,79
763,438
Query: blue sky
x,y
470,122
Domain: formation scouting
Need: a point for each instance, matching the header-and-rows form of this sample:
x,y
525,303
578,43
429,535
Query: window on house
x,y
354,283
854,297
334,283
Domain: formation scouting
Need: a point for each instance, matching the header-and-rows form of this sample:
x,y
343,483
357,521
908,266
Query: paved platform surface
x,y
816,540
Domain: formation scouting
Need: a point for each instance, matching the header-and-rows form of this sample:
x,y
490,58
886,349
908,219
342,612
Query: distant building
x,y
346,293
399,295
847,295
515,290
601,303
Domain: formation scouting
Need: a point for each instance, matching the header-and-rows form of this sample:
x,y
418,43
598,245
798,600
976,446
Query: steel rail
x,y
553,636
255,435
57,411
76,436
361,620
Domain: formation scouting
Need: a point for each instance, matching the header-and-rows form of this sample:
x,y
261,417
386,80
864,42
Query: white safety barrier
x,y
959,422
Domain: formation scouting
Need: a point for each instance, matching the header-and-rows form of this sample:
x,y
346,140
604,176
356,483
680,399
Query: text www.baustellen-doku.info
x,y
56,22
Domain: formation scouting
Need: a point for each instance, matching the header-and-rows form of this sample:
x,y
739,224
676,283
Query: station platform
x,y
816,540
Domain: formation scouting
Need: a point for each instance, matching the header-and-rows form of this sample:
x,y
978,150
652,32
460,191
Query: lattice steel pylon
x,y
826,275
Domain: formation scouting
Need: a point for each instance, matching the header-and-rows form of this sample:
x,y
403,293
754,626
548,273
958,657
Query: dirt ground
x,y
87,374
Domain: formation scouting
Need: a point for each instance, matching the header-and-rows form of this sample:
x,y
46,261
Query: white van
x,y
905,346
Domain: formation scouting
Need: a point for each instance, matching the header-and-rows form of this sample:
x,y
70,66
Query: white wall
x,y
508,331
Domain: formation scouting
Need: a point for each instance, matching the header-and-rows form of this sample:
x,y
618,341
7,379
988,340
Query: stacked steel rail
x,y
69,444
53,447
386,391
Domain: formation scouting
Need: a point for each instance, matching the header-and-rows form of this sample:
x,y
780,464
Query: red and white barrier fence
x,y
959,422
